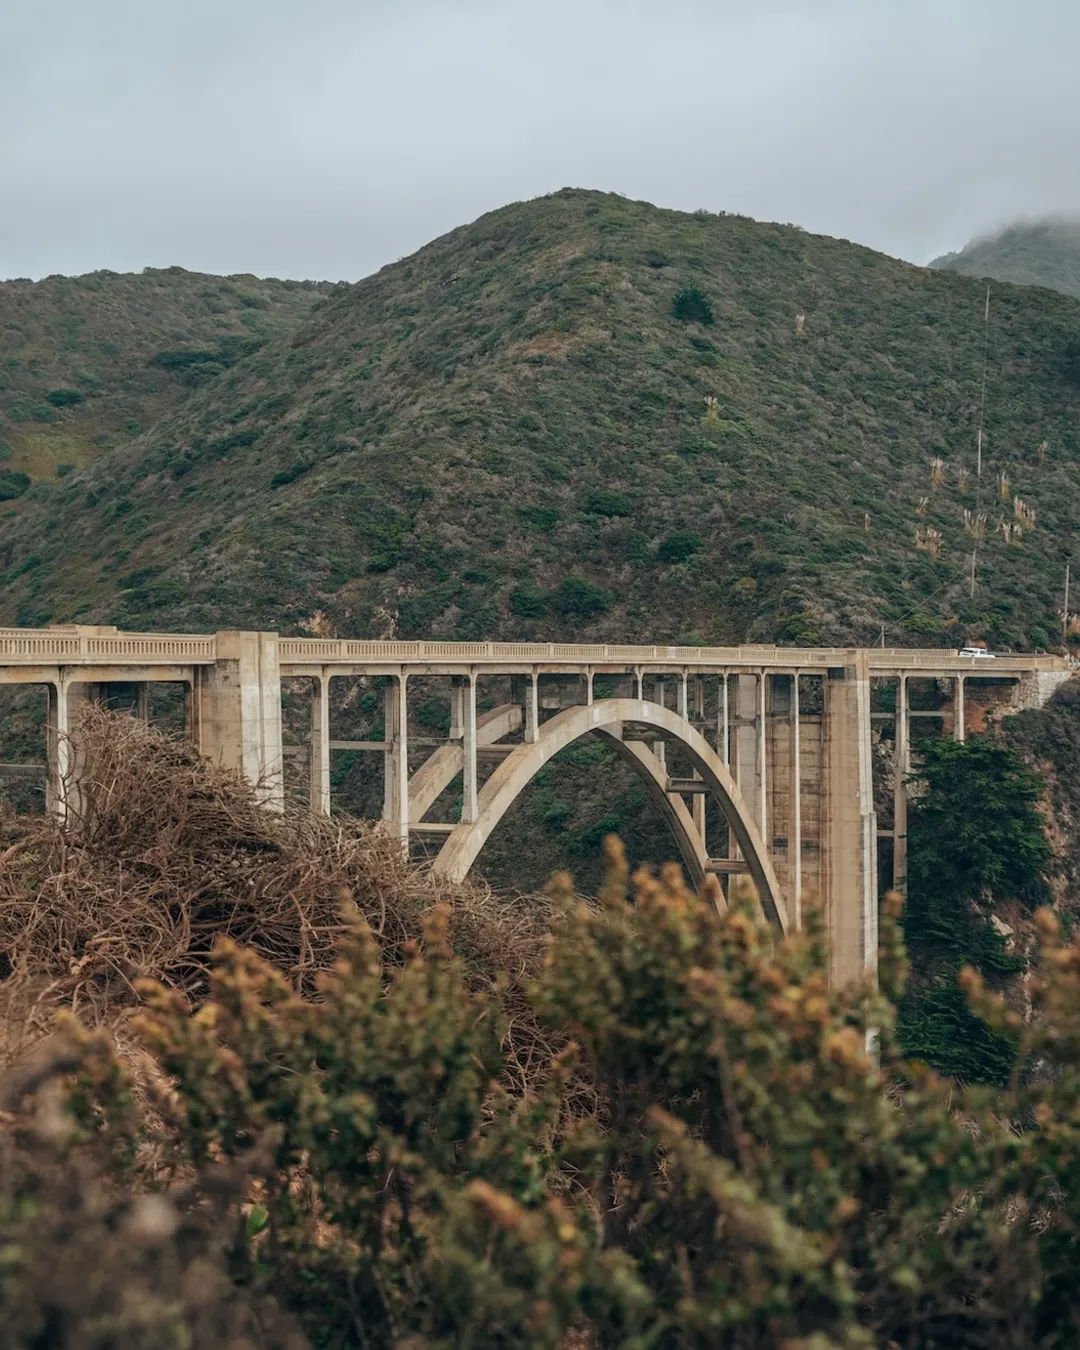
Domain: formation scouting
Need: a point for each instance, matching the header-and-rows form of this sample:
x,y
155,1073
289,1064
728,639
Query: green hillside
x,y
586,415
86,363
1029,253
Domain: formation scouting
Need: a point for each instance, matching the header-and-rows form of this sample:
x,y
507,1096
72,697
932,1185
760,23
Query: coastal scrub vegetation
x,y
326,1134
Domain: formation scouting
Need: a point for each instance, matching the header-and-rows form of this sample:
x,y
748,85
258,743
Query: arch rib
x,y
441,768
609,717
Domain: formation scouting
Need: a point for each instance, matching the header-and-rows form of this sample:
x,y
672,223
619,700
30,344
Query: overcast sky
x,y
324,138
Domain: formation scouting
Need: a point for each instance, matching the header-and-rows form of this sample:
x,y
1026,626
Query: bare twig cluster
x,y
166,852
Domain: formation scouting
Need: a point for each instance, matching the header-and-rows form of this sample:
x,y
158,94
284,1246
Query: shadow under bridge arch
x,y
611,717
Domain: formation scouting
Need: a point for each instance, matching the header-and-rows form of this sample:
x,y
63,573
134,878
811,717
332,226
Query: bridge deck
x,y
100,647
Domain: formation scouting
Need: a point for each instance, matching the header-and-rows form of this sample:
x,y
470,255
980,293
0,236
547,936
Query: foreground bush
x,y
746,1175
376,1112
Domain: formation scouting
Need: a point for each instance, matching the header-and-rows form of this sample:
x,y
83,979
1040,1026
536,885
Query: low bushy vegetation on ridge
x,y
434,450
335,1145
88,362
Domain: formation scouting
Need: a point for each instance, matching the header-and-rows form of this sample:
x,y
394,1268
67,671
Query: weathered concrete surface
x,y
238,710
849,836
610,717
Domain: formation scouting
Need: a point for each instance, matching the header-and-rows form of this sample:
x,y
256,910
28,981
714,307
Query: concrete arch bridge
x,y
762,760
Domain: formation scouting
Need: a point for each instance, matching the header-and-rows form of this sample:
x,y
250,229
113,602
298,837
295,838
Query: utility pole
x,y
883,635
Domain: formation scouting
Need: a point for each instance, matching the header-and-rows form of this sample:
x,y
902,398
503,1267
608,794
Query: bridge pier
x,y
849,827
238,711
396,757
319,768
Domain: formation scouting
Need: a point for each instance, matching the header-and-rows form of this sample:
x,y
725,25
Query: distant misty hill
x,y
1029,253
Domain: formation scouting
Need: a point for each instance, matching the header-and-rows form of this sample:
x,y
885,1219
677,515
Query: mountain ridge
x,y
1043,251
511,433
88,362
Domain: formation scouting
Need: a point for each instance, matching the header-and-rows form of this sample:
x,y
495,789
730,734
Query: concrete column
x,y
697,803
763,760
659,748
699,698
396,759
682,696
469,775
191,710
588,685
958,710
142,707
239,715
902,760
849,834
795,836
723,714
532,710
639,684
745,757
58,728
457,708
319,790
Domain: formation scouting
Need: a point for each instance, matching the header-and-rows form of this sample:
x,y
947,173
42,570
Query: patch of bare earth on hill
x,y
167,852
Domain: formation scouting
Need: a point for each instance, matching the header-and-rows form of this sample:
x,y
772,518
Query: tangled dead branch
x,y
168,852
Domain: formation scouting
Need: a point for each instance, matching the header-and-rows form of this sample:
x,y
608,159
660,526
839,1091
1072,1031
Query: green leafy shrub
x,y
285,476
692,305
556,816
605,502
975,838
678,547
12,484
6,451
64,398
579,598
528,602
433,714
543,518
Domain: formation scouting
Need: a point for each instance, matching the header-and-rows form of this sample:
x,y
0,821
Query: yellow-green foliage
x,y
714,1159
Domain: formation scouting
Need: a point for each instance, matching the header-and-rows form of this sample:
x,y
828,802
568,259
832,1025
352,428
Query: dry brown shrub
x,y
167,852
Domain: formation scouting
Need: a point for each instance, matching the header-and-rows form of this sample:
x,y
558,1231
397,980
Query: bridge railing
x,y
74,646
77,645
329,651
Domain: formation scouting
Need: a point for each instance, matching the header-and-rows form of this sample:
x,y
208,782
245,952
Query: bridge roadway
x,y
779,739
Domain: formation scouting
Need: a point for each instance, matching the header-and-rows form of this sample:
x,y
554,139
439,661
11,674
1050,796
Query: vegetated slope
x,y
1029,253
88,362
512,434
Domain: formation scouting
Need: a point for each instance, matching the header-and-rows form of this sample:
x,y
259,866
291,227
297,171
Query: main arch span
x,y
621,721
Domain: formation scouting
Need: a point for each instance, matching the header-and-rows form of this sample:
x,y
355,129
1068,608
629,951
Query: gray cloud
x,y
328,138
